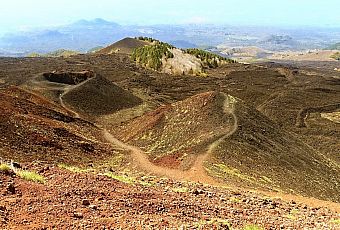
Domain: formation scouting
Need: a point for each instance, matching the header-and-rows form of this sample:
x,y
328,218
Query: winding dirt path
x,y
67,89
59,86
196,173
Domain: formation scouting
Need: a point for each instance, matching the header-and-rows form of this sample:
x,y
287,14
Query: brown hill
x,y
34,129
244,146
125,46
83,92
183,129
99,96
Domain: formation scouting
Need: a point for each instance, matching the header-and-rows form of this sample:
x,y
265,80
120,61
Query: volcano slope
x,y
255,153
238,137
124,46
35,129
84,92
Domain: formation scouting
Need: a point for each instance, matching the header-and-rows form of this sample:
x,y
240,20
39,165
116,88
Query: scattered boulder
x,y
78,215
86,202
11,189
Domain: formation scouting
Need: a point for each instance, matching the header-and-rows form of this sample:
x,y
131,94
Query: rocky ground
x,y
79,200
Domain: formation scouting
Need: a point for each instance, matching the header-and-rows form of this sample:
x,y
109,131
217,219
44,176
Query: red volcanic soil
x,y
237,127
84,200
33,128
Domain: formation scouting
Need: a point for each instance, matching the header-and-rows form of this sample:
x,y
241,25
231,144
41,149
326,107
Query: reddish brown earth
x,y
251,145
79,200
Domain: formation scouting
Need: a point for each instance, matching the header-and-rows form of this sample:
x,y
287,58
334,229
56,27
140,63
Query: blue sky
x,y
23,14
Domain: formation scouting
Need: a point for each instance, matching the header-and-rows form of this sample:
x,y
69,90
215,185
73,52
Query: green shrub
x,y
335,221
31,176
336,56
147,39
124,179
72,168
253,227
209,59
151,56
5,168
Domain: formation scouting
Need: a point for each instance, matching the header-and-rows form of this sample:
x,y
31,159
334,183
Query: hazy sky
x,y
23,14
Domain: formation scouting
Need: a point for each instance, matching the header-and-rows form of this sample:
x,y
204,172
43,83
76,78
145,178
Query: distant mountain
x,y
279,42
83,35
279,39
94,22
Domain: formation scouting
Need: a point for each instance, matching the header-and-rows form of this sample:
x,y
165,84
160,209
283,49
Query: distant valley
x,y
85,35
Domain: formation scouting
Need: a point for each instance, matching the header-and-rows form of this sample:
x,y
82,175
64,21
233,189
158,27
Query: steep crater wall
x,y
69,78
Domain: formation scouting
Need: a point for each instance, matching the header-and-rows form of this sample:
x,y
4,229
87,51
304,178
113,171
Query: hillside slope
x,y
99,96
257,154
84,92
124,46
163,57
34,129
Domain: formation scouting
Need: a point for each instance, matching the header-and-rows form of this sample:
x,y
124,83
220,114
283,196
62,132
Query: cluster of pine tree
x,y
151,56
147,39
209,59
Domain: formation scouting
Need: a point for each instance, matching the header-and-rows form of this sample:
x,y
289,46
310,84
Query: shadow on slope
x,y
174,135
85,93
98,96
259,154
35,129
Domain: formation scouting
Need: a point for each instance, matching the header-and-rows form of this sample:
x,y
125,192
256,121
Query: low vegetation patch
x,y
336,221
181,189
151,56
5,168
221,170
71,168
215,223
56,53
209,59
253,227
31,176
147,39
124,179
336,56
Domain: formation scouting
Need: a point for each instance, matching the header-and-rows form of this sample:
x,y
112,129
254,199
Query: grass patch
x,y
72,168
294,211
293,214
147,181
213,224
151,56
209,59
266,179
180,189
124,179
335,221
253,227
290,216
336,56
220,170
31,176
5,168
234,200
